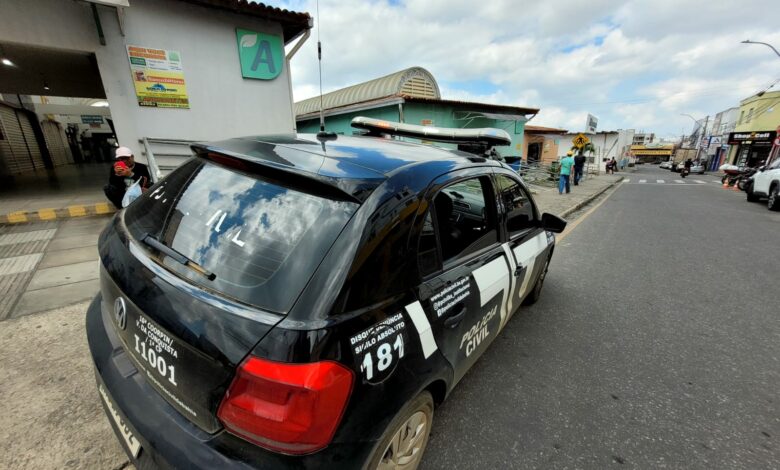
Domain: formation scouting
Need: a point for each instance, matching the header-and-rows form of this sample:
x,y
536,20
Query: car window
x,y
261,239
520,209
464,222
775,164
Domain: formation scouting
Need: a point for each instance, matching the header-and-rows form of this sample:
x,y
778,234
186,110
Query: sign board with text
x,y
592,123
158,77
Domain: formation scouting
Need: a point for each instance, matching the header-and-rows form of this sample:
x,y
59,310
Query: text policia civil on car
x,y
307,301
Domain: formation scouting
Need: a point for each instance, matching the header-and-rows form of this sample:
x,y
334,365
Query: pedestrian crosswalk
x,y
689,182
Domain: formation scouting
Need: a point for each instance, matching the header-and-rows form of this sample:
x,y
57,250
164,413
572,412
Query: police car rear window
x,y
261,240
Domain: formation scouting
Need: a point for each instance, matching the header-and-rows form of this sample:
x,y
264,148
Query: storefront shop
x,y
752,148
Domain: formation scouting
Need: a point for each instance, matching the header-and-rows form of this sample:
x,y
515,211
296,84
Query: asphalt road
x,y
656,344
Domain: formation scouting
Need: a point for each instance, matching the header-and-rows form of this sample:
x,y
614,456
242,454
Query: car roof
x,y
357,156
353,166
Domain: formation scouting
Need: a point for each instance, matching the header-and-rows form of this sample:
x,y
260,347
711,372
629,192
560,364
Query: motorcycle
x,y
684,172
733,174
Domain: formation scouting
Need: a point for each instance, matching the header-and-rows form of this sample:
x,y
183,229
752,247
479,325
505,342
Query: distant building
x,y
643,139
716,147
544,144
608,145
411,96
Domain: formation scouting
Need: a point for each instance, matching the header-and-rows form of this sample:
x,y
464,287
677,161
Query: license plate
x,y
132,443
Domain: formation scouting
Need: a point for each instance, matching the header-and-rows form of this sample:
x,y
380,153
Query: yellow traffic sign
x,y
580,141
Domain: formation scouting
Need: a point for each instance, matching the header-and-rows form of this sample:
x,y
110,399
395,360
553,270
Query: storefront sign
x,y
91,119
158,77
755,136
639,153
260,54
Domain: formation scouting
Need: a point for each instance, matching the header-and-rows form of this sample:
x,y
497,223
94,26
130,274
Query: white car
x,y
667,165
766,183
697,168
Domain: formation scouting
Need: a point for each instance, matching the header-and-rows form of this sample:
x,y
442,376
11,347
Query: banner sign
x,y
158,77
91,119
592,123
755,136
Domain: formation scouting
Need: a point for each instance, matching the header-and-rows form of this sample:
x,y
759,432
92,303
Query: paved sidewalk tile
x,y
76,241
62,275
19,264
55,297
70,256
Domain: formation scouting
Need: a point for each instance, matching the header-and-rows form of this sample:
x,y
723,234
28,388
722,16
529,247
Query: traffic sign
x,y
580,140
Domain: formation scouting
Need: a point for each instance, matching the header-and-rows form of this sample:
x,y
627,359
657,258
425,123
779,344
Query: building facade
x,y
411,96
756,130
544,145
170,69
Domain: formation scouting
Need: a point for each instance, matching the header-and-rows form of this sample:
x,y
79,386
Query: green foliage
x,y
587,148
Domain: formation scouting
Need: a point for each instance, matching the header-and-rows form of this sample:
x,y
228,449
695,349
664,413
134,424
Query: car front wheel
x,y
403,442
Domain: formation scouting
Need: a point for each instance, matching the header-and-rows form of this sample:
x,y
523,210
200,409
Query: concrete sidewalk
x,y
548,199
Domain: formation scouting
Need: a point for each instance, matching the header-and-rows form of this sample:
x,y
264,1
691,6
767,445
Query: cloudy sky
x,y
633,64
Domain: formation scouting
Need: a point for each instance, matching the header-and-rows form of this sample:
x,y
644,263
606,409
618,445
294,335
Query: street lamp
x,y
748,41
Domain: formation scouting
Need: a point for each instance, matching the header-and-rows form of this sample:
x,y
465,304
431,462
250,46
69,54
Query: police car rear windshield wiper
x,y
157,245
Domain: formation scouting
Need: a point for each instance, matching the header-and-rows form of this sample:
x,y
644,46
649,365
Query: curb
x,y
590,198
42,215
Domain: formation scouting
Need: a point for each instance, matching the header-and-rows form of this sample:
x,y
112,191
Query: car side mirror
x,y
553,223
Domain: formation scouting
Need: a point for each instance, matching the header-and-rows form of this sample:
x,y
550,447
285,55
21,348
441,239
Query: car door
x,y
527,246
762,179
464,269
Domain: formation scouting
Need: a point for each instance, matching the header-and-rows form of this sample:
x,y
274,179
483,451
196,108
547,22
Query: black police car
x,y
306,301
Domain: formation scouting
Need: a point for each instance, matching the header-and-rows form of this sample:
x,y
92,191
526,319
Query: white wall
x,y
222,103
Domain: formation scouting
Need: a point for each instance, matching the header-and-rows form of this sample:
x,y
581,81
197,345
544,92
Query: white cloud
x,y
637,64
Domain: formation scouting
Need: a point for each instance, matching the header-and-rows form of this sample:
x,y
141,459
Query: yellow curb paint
x,y
102,208
77,211
17,217
47,214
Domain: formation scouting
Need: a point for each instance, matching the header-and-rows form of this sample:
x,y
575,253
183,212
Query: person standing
x,y
124,173
614,165
563,181
579,164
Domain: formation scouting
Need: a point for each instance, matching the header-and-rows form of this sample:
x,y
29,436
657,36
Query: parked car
x,y
697,168
667,165
766,184
307,301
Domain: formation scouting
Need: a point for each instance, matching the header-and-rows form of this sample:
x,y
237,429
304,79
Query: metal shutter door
x,y
32,142
56,143
19,160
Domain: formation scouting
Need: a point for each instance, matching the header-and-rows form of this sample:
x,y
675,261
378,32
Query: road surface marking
x,y
19,264
659,181
679,181
643,181
626,180
700,181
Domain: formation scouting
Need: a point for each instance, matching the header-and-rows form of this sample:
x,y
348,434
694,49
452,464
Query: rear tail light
x,y
289,408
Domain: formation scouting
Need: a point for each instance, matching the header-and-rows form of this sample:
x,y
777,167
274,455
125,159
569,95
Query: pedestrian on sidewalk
x,y
124,173
579,164
614,165
563,180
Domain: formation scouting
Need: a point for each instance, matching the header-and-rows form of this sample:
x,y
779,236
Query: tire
x,y
415,413
773,203
741,184
751,197
536,292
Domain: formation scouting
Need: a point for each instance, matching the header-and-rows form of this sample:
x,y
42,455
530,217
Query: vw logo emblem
x,y
120,313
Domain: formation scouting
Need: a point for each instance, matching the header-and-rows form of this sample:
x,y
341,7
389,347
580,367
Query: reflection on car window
x,y
520,210
464,224
428,248
255,235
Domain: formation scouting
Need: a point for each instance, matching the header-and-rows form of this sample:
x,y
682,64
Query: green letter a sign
x,y
260,54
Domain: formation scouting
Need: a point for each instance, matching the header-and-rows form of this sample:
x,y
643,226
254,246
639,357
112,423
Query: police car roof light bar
x,y
486,135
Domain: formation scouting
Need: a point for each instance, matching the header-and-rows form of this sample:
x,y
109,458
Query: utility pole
x,y
701,138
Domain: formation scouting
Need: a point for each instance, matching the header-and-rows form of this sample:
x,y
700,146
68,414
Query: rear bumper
x,y
168,440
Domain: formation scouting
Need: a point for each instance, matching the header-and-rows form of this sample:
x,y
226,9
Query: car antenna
x,y
321,135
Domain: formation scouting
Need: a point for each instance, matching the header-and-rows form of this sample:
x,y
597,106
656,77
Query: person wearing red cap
x,y
124,173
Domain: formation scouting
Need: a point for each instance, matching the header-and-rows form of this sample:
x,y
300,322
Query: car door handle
x,y
519,270
455,319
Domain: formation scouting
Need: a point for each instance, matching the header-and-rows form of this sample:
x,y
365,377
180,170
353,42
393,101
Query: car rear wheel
x,y
403,442
773,203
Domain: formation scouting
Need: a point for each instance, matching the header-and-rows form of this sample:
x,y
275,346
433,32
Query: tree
x,y
589,148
